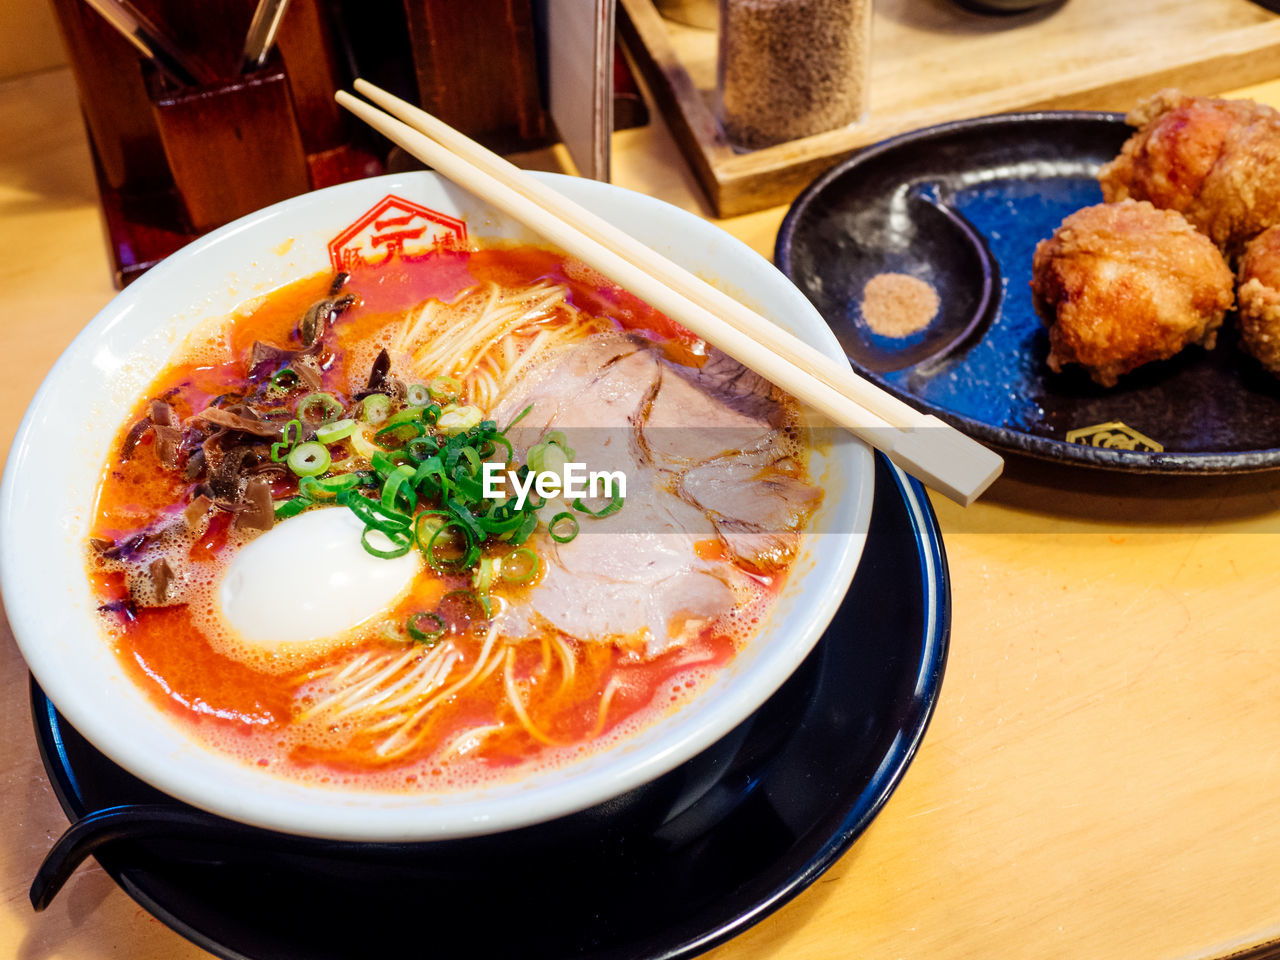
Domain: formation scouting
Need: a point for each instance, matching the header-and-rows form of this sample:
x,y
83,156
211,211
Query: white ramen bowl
x,y
50,481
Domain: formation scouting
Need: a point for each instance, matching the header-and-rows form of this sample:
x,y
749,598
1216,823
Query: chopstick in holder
x,y
262,34
152,43
923,445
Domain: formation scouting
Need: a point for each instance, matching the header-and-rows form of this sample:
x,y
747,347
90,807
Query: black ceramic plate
x,y
780,799
962,206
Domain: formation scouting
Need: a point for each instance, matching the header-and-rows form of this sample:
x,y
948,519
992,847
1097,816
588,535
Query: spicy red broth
x,y
326,395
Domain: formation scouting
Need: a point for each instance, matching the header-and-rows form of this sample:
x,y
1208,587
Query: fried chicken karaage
x,y
1123,284
1217,162
1260,298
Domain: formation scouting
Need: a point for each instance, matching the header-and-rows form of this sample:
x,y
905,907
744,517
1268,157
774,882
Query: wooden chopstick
x,y
884,405
922,445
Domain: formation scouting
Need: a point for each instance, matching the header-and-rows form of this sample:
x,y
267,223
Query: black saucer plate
x,y
793,787
962,205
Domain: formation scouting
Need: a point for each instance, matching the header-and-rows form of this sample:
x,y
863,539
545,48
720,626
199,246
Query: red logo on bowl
x,y
394,226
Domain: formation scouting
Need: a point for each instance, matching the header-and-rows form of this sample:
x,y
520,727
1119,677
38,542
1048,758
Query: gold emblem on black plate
x,y
1114,435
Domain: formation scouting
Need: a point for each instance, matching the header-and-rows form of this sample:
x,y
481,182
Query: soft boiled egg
x,y
307,579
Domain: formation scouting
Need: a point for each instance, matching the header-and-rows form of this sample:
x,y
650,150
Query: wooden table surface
x,y
1101,778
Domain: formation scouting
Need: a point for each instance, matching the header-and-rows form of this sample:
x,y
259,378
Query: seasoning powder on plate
x,y
897,305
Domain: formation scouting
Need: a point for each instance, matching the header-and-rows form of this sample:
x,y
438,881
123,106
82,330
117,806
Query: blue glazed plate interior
x,y
962,206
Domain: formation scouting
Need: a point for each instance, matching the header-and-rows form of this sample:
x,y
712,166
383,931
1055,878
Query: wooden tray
x,y
932,61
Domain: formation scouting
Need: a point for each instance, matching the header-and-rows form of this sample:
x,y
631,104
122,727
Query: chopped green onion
x,y
419,635
533,458
338,430
431,518
308,459
404,431
464,516
454,422
547,458
394,488
525,530
417,394
401,543
405,425
362,445
473,460
612,507
452,451
383,464
282,381
329,487
560,519
438,464
431,479
482,579
462,561
373,514
500,519
520,566
292,507
330,407
375,408
519,416
280,450
406,415
421,448
491,445
445,388
559,439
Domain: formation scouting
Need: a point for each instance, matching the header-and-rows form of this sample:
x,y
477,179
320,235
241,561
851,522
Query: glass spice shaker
x,y
791,68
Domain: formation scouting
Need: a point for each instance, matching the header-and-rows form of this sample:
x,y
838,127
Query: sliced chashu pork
x,y
757,500
705,452
637,578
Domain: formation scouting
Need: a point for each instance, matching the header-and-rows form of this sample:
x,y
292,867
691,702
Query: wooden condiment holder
x,y
231,147
476,69
172,161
